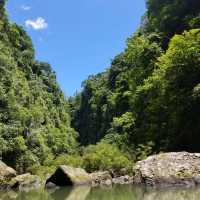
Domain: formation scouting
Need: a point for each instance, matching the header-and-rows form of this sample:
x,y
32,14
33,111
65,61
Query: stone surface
x,y
101,178
71,176
169,169
51,185
6,174
25,182
123,180
107,183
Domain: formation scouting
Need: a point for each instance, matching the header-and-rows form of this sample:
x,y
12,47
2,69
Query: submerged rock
x,y
169,169
69,176
25,182
6,174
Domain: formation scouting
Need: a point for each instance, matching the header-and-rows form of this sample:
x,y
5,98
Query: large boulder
x,y
169,169
69,176
6,174
25,182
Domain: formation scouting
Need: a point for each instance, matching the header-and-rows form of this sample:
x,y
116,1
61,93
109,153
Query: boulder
x,y
169,169
107,183
122,180
25,182
6,174
101,178
69,176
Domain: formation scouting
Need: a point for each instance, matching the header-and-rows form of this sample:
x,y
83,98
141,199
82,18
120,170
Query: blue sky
x,y
77,37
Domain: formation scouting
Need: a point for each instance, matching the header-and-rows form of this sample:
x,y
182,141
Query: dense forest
x,y
146,102
34,114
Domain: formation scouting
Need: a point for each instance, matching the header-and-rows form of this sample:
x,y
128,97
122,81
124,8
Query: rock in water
x,y
10,180
69,176
169,169
122,180
25,182
6,174
101,178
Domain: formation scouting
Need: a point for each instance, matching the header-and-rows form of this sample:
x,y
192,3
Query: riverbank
x,y
162,170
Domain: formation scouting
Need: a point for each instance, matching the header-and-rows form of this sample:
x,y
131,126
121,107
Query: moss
x,y
185,174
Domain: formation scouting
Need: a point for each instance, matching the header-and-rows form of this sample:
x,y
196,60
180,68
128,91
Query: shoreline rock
x,y
163,170
69,176
9,179
25,182
169,169
6,174
101,178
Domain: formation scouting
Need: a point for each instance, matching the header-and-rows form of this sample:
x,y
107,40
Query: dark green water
x,y
115,193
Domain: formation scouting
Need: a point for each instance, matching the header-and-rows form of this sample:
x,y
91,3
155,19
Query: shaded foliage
x,y
148,100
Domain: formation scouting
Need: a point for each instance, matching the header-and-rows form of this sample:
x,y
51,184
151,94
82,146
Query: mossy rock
x,y
169,169
25,182
6,174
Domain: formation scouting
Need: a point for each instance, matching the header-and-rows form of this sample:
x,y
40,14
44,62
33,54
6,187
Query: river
x,y
114,193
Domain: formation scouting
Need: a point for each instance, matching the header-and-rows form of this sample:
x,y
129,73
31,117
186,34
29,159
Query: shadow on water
x,y
115,193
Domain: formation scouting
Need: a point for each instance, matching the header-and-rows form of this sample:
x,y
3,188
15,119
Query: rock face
x,y
6,174
69,176
101,178
105,179
123,180
25,182
169,169
10,180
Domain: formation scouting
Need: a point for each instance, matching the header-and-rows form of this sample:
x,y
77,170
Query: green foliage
x,y
34,114
71,160
148,100
169,98
142,151
168,17
104,156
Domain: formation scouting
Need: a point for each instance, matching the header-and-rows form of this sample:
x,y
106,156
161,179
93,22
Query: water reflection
x,y
77,193
115,193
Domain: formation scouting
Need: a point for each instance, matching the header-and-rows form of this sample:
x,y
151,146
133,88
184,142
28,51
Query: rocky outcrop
x,y
25,182
123,180
169,169
6,174
10,180
101,178
69,176
105,179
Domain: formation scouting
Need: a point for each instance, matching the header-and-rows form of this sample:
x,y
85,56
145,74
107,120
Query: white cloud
x,y
25,7
36,24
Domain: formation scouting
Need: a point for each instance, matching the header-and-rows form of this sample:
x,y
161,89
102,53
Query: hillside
x,y
34,114
147,101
